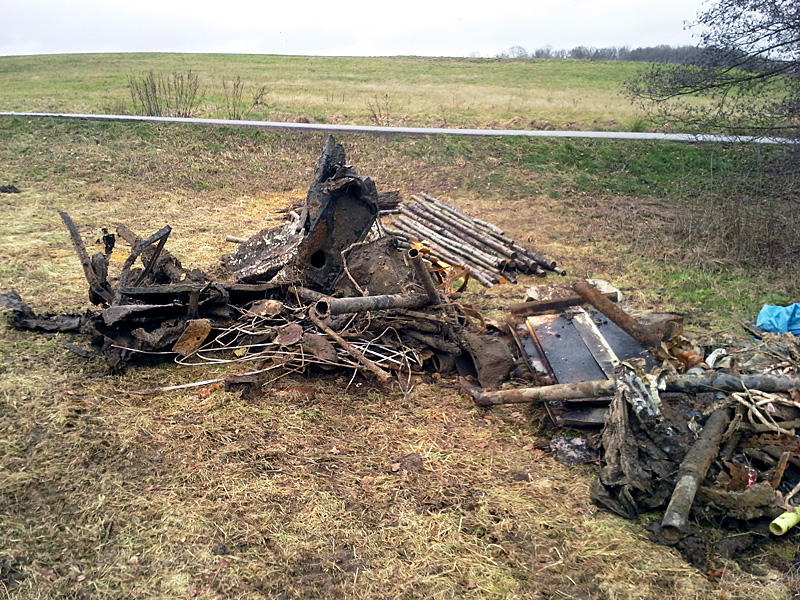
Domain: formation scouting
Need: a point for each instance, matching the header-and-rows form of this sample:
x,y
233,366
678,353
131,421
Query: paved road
x,y
608,135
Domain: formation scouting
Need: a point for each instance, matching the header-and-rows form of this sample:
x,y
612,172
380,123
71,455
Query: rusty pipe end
x,y
322,307
424,276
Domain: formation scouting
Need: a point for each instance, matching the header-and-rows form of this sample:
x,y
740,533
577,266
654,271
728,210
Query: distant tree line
x,y
652,54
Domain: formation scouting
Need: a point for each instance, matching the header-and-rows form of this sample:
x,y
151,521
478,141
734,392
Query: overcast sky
x,y
349,28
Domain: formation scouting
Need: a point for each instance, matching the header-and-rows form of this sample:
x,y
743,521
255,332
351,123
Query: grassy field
x,y
441,92
108,495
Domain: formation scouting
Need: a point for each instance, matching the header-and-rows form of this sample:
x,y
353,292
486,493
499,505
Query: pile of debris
x,y
701,432
329,288
697,431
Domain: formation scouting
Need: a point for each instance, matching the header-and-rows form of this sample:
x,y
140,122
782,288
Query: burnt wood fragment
x,y
23,317
163,267
99,290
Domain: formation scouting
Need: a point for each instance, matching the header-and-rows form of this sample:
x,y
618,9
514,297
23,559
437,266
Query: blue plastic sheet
x,y
780,319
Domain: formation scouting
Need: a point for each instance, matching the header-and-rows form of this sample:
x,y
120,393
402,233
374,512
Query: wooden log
x,y
693,469
623,320
688,384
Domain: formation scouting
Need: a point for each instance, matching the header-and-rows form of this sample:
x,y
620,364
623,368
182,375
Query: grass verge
x,y
359,492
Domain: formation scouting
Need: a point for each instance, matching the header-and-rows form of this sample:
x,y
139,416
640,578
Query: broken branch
x,y
689,384
382,375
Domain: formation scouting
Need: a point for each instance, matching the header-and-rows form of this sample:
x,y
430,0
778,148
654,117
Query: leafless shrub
x,y
234,92
259,97
161,95
380,110
757,225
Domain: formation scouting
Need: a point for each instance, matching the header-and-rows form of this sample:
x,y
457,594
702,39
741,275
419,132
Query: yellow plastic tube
x,y
785,522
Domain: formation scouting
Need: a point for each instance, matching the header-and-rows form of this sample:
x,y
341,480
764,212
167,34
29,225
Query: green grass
x,y
450,92
606,167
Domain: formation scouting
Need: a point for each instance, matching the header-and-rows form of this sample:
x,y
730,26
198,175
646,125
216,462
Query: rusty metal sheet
x,y
570,359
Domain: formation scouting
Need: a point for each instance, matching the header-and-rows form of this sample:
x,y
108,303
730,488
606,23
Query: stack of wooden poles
x,y
453,237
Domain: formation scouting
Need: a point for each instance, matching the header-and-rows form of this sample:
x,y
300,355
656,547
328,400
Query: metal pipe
x,y
340,306
446,221
470,223
307,294
693,469
424,276
547,263
688,384
491,229
474,254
